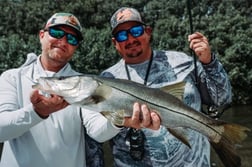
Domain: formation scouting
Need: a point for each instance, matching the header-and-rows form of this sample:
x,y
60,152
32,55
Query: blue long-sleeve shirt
x,y
161,148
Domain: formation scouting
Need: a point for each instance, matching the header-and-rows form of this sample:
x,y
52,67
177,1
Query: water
x,y
236,114
241,115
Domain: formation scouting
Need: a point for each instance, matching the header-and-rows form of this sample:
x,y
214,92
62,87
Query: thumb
x,y
35,97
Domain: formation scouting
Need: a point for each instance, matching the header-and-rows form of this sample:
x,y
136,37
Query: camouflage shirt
x,y
160,147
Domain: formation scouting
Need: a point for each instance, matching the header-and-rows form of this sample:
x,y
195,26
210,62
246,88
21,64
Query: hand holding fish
x,y
199,44
44,106
142,117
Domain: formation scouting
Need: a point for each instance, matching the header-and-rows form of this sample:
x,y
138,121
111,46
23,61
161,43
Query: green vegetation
x,y
227,24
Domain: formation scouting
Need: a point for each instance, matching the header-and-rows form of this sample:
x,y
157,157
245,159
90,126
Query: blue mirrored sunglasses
x,y
135,31
58,33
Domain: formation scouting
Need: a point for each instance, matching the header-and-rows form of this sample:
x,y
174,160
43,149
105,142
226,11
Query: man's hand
x,y
199,44
143,117
44,106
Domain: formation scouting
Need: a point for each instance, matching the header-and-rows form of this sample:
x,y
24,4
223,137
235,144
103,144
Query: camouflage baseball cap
x,y
125,14
67,19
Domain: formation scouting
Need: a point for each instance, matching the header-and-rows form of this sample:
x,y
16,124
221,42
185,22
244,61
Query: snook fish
x,y
114,99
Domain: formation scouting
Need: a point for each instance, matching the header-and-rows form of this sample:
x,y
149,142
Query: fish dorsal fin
x,y
181,134
176,89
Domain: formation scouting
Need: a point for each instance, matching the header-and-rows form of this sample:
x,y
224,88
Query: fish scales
x,y
165,105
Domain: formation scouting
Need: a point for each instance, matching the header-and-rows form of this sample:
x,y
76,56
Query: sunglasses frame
x,y
127,32
68,35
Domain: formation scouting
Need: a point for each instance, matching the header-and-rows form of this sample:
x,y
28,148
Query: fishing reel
x,y
214,111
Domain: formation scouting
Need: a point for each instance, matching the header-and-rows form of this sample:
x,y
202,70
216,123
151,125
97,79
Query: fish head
x,y
56,85
73,89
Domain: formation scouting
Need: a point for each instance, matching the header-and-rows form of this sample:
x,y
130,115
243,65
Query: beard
x,y
134,55
133,49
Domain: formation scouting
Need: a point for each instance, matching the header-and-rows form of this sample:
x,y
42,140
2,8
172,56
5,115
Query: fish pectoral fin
x,y
181,134
116,117
86,101
176,89
103,91
95,99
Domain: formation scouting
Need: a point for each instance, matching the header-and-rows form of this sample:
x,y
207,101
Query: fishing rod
x,y
211,110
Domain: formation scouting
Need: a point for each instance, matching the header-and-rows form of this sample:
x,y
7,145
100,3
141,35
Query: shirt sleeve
x,y
97,126
214,83
14,121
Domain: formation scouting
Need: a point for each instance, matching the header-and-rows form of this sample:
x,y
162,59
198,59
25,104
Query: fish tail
x,y
225,148
227,154
235,133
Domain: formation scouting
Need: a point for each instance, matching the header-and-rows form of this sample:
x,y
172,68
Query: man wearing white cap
x,y
44,130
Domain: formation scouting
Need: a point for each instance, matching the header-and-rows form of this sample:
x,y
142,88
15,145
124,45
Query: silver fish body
x,y
114,99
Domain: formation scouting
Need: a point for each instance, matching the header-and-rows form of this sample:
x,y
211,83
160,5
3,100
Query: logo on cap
x,y
124,15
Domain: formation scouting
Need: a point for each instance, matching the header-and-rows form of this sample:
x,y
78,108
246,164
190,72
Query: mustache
x,y
134,43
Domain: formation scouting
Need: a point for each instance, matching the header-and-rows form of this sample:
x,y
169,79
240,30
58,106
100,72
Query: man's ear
x,y
41,35
113,41
148,30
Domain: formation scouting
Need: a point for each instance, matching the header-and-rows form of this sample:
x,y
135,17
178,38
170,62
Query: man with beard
x,y
158,68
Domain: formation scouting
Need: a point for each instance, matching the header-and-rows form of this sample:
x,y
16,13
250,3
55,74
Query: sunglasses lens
x,y
56,33
136,31
72,40
121,36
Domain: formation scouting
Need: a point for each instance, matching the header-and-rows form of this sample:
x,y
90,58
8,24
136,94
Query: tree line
x,y
226,23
